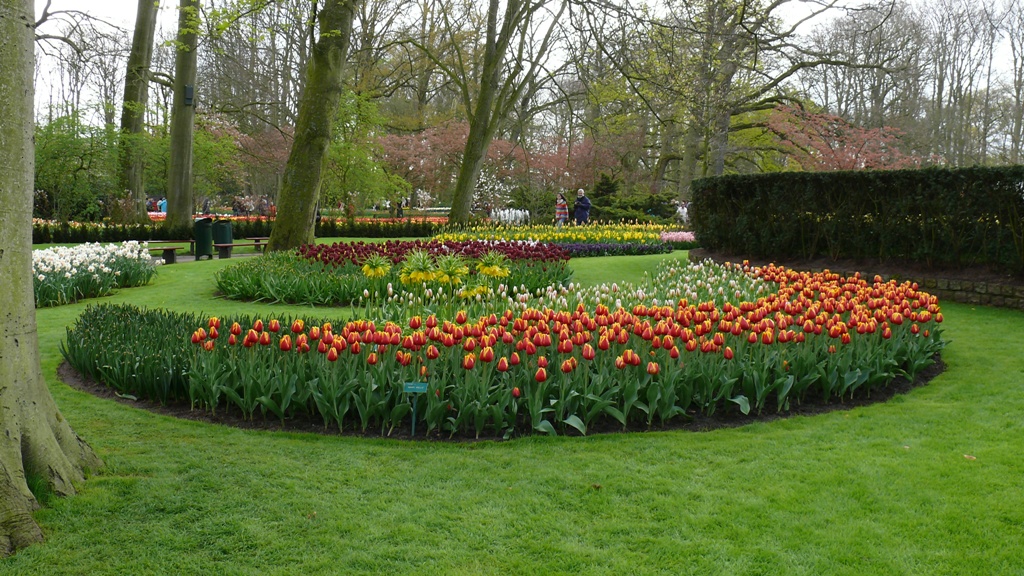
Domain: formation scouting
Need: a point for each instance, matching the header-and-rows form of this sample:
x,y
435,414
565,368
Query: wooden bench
x,y
191,244
169,253
224,250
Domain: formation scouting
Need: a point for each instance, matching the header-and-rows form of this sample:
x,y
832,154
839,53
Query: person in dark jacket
x,y
581,208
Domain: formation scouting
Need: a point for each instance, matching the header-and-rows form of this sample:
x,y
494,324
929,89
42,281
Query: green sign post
x,y
414,388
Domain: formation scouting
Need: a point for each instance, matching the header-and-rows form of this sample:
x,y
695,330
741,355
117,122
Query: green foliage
x,y
76,233
76,168
354,174
937,216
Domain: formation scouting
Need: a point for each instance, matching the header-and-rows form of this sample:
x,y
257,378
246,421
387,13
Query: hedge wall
x,y
66,233
950,218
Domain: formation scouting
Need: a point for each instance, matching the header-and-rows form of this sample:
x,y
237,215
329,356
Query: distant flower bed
x,y
397,277
396,250
578,250
680,240
622,233
63,275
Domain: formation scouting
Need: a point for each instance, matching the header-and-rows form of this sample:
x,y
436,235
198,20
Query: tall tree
x,y
133,107
37,441
183,113
515,50
318,107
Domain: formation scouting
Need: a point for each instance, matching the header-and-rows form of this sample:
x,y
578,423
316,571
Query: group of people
x,y
580,209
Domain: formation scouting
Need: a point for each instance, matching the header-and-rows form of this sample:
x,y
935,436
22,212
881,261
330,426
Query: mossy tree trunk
x,y
36,442
179,177
133,109
318,107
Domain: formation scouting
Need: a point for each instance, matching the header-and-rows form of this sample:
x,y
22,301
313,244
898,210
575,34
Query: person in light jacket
x,y
581,209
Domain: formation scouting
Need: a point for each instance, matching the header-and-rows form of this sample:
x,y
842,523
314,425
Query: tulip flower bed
x,y
418,276
356,253
756,339
62,275
631,238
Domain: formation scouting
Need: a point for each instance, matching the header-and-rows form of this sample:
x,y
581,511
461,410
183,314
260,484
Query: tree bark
x,y
133,108
37,442
318,107
179,178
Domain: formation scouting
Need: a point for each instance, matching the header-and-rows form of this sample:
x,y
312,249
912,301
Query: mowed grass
x,y
884,489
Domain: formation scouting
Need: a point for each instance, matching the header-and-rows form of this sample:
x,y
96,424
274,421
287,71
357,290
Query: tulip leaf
x,y
576,423
742,402
546,427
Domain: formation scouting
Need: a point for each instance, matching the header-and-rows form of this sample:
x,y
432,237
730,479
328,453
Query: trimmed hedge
x,y
74,233
939,217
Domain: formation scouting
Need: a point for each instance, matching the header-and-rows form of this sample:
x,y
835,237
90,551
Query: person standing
x,y
561,210
161,206
581,209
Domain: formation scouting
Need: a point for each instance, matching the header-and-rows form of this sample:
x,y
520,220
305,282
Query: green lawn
x,y
884,489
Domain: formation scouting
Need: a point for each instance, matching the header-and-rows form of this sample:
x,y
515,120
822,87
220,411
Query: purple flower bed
x,y
607,249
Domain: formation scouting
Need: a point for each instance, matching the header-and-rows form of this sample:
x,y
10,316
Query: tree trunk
x,y
318,107
133,108
37,443
179,177
481,128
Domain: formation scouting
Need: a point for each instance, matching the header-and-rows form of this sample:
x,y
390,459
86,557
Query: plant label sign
x,y
415,387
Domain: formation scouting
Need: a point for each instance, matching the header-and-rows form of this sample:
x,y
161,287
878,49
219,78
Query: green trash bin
x,y
222,232
203,231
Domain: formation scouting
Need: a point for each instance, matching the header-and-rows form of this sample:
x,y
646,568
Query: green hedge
x,y
75,233
938,217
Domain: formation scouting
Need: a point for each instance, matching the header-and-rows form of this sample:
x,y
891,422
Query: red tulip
x,y
542,362
332,354
258,326
431,321
214,322
314,333
620,363
653,368
322,347
503,364
196,339
371,359
516,393
432,352
487,354
460,317
541,375
914,329
566,367
603,344
674,353
691,345
285,343
415,322
274,326
469,361
265,339
236,329
355,348
845,339
514,359
728,353
232,340
588,352
469,345
208,345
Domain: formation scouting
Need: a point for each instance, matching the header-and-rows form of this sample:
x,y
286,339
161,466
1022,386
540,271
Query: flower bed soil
x,y
728,417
